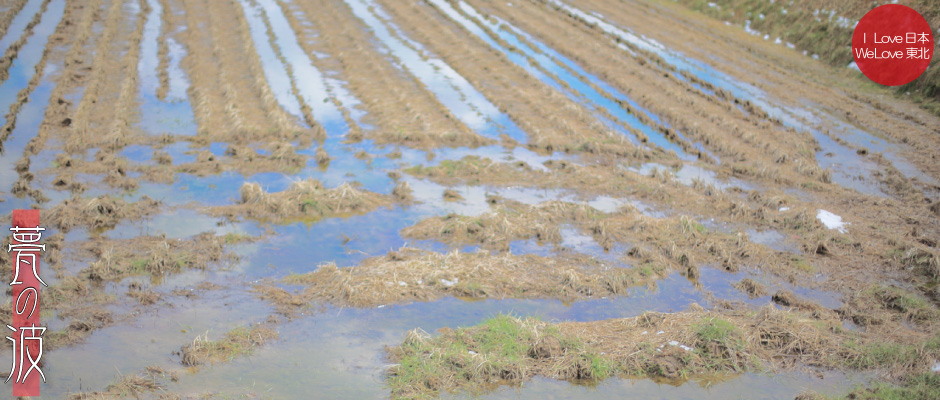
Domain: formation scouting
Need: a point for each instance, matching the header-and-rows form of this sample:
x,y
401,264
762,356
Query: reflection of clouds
x,y
689,173
536,161
350,102
28,56
845,163
450,88
576,240
177,78
643,43
18,25
580,86
274,71
310,82
773,239
860,138
152,333
175,224
33,111
148,63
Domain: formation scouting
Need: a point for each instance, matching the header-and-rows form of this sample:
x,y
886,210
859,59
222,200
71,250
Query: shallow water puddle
x,y
773,239
275,73
18,25
450,88
689,174
890,151
213,190
340,351
174,115
149,61
27,125
301,247
139,154
23,66
177,223
743,386
311,85
532,159
150,338
849,169
178,83
574,240
719,283
590,90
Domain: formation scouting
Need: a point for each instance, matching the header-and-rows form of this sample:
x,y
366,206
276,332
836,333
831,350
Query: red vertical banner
x,y
25,331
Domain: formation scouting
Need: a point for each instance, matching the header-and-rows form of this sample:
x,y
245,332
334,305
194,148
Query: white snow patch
x,y
831,221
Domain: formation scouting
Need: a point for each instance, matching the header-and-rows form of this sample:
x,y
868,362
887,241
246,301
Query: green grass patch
x,y
912,305
502,349
924,386
237,342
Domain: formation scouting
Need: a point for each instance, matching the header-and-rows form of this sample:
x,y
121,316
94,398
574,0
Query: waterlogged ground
x,y
527,199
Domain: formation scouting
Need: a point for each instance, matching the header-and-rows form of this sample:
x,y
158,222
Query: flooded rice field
x,y
295,199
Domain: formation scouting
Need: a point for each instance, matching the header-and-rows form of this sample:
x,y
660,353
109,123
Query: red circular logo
x,y
892,44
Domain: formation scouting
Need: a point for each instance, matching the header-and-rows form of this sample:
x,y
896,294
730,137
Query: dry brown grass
x,y
305,200
882,306
83,311
11,52
551,121
237,342
870,250
104,82
753,288
98,212
510,350
152,379
452,195
79,299
676,243
9,14
144,296
494,230
403,110
151,256
416,275
281,157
